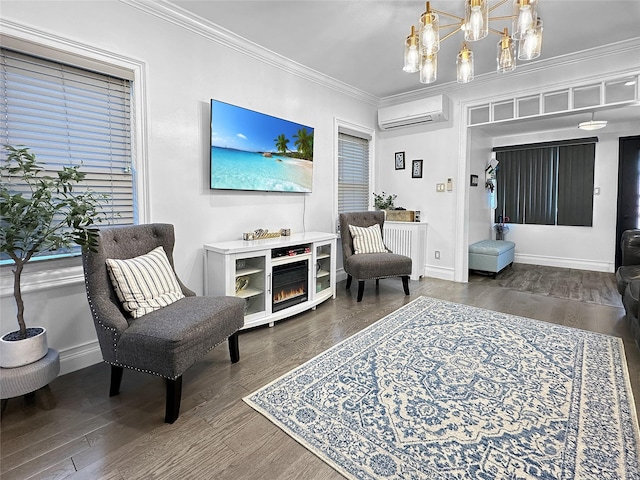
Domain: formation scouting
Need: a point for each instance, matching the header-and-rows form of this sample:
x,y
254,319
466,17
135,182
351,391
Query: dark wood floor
x,y
74,430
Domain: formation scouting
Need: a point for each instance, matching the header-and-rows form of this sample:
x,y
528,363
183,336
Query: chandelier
x,y
421,47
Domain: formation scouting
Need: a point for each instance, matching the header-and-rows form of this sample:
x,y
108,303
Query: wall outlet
x,y
439,187
437,254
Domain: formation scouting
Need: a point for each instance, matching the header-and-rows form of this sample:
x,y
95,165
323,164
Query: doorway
x,y
628,216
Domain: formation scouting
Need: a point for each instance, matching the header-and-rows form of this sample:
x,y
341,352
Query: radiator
x,y
410,239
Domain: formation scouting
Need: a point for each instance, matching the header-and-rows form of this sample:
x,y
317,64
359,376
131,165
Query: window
x,y
353,173
547,184
71,116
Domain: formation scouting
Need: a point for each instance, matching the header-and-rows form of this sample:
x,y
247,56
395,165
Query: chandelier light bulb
x,y
476,22
411,54
428,38
464,64
531,43
525,19
428,68
524,14
506,53
429,32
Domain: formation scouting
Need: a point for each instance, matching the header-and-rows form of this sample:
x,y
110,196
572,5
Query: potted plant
x,y
44,214
383,201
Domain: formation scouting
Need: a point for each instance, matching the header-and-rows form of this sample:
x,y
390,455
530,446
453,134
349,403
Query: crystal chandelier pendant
x,y
429,68
506,53
464,65
531,44
429,36
476,25
411,53
525,15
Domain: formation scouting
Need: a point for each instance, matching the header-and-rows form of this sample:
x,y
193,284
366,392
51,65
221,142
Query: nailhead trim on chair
x,y
95,315
115,364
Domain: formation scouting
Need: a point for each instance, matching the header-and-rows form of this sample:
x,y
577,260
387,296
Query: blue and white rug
x,y
440,390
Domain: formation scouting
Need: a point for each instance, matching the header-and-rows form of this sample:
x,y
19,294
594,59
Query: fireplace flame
x,y
283,295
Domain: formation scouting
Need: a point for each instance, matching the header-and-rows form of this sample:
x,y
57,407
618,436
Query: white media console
x,y
277,277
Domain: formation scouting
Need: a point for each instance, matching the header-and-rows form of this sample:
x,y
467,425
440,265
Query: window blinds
x,y
353,173
69,116
548,183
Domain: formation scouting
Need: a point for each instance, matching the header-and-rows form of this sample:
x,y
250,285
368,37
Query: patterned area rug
x,y
440,390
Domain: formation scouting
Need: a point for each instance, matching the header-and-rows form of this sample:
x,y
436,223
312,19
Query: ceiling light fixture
x,y
592,124
421,48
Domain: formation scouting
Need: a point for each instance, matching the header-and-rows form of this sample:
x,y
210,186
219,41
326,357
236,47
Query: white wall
x,y
436,208
451,150
588,248
183,69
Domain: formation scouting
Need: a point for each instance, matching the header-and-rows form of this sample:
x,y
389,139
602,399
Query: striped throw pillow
x,y
367,239
145,283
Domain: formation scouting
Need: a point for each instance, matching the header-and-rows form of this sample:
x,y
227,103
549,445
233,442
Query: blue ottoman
x,y
491,256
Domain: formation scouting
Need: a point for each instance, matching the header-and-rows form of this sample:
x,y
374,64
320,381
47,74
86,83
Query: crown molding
x,y
176,15
629,48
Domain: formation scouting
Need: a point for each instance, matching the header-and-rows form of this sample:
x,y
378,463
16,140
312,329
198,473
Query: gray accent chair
x,y
370,266
629,268
165,342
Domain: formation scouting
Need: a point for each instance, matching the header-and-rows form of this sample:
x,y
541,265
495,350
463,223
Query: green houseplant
x,y
44,214
382,201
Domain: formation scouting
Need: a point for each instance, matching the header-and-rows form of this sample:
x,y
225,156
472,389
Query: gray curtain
x,y
575,185
546,184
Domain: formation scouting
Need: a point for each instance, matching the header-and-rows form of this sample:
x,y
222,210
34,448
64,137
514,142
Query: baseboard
x,y
76,358
442,273
576,263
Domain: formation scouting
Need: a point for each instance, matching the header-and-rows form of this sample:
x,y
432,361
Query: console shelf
x,y
245,269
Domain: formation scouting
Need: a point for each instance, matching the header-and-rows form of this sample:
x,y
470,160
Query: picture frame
x,y
399,160
474,181
416,169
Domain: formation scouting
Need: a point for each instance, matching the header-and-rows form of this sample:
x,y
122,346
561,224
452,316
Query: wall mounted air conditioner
x,y
419,112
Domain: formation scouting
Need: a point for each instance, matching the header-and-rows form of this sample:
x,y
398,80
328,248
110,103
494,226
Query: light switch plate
x,y
439,187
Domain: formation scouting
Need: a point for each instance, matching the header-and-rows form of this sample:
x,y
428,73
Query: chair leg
x,y
116,380
349,278
174,394
234,349
360,289
405,284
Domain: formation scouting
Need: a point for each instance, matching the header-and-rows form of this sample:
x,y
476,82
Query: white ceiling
x,y
361,42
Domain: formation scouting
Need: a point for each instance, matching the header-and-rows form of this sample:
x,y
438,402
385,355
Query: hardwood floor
x,y
75,430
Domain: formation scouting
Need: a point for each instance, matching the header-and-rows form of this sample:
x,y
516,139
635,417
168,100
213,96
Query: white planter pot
x,y
17,353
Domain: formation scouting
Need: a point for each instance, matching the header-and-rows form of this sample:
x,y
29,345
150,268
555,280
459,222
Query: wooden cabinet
x,y
246,269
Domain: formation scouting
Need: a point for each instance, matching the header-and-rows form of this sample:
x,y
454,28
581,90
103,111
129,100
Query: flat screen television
x,y
255,151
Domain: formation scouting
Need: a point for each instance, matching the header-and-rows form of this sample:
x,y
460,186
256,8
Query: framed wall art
x,y
399,160
416,169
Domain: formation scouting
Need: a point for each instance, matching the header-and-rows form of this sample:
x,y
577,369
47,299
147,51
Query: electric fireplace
x,y
290,284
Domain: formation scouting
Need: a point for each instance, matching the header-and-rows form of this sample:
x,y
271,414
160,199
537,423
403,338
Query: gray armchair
x,y
167,341
630,260
370,266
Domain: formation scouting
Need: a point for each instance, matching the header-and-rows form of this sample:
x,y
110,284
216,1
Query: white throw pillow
x,y
145,283
367,239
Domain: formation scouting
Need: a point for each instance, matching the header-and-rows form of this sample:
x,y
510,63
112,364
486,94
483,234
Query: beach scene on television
x,y
255,151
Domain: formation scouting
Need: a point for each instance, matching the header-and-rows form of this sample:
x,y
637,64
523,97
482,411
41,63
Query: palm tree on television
x,y
281,143
304,143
